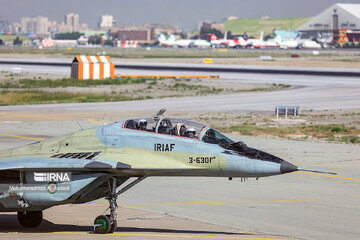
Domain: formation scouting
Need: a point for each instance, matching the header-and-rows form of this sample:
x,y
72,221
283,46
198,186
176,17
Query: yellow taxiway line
x,y
34,116
224,202
16,136
173,236
330,176
169,76
95,121
5,115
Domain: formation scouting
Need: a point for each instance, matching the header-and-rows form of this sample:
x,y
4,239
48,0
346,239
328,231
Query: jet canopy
x,y
197,131
178,128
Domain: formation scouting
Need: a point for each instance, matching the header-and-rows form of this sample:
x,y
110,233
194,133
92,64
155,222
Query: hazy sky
x,y
184,13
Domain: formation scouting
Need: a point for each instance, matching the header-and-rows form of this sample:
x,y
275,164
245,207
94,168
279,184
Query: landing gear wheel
x,y
102,224
30,219
113,225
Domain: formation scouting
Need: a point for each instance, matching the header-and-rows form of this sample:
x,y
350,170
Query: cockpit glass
x,y
180,127
142,124
170,126
214,137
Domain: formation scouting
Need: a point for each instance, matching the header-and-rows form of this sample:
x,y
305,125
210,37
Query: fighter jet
x,y
93,163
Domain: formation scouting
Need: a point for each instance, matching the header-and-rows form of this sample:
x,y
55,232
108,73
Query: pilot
x,y
142,124
190,132
210,137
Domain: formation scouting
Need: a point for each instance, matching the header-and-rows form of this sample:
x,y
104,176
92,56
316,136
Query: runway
x,y
291,206
192,67
316,92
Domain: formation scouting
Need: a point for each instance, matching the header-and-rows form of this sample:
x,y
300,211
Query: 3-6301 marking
x,y
201,159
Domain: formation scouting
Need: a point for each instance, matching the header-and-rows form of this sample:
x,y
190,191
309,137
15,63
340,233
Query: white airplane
x,y
310,44
201,43
260,43
271,43
182,43
218,42
285,44
166,41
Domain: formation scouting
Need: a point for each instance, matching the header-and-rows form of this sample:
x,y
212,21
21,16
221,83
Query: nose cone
x,y
287,167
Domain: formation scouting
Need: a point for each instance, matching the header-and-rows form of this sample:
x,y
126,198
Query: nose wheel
x,y
107,223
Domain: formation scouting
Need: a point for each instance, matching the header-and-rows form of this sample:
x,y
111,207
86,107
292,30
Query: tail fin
x,y
213,37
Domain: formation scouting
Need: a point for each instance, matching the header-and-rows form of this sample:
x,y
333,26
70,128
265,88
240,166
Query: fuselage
x,y
164,147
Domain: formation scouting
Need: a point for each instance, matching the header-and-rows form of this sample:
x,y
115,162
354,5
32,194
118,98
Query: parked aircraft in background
x,y
224,42
271,43
288,43
171,41
310,44
168,41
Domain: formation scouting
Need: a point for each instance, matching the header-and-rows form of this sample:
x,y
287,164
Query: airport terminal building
x,y
338,16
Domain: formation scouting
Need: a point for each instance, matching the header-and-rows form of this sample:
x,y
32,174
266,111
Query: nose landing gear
x,y
107,223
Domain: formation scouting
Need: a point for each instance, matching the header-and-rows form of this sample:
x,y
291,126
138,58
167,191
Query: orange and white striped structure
x,y
92,67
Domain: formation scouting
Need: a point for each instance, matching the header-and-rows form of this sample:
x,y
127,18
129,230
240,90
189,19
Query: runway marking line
x,y
223,202
173,236
16,136
330,176
34,116
95,121
6,115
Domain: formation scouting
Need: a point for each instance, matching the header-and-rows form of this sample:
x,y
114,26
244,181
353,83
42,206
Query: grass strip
x,y
41,97
330,132
68,82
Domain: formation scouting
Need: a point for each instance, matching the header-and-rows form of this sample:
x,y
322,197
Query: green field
x,y
253,27
11,38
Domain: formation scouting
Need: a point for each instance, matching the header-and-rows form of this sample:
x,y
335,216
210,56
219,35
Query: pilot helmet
x,y
142,124
190,132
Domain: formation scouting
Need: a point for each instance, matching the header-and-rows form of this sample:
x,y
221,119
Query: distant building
x,y
338,16
38,25
83,27
140,35
211,25
4,27
15,27
231,18
106,21
72,22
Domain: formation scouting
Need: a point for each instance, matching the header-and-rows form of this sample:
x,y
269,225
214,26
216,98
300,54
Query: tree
x,y
68,35
204,33
229,35
95,40
108,42
17,41
267,37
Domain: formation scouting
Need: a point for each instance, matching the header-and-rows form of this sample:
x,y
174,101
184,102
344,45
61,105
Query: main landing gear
x,y
107,223
30,219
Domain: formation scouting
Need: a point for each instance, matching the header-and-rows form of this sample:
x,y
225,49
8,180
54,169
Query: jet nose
x,y
287,167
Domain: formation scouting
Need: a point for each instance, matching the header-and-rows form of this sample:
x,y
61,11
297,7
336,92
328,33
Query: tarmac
x,y
292,206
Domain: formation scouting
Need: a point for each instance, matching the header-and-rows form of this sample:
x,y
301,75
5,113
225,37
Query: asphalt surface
x,y
316,92
295,205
